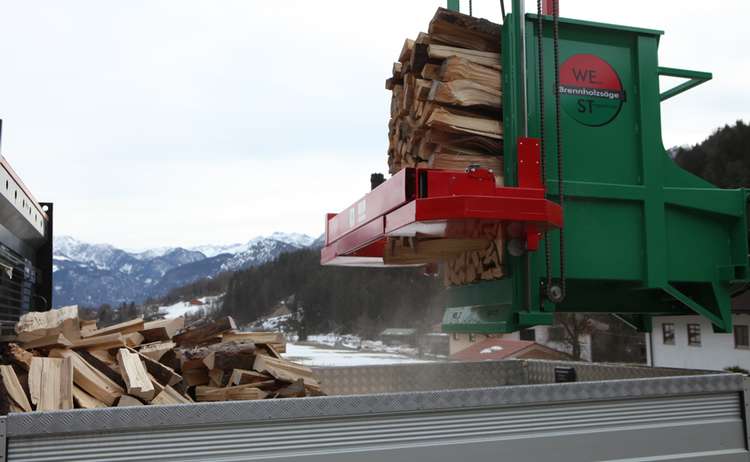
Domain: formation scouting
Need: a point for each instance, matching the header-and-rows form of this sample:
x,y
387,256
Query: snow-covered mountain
x,y
92,274
295,240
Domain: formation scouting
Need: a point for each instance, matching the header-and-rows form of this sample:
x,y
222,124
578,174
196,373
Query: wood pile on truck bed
x,y
63,362
446,113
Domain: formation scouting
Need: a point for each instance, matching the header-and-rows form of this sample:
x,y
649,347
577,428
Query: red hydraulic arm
x,y
441,204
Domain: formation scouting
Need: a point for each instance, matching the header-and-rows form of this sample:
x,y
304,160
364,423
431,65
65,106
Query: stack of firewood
x,y
446,112
446,97
59,361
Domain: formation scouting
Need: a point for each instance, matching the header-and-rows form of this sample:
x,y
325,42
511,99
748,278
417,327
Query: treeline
x,y
722,159
200,288
105,314
334,299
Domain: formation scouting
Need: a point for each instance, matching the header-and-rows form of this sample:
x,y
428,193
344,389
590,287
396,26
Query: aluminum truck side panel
x,y
694,418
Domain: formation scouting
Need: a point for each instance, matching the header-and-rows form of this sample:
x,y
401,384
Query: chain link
x,y
558,130
542,144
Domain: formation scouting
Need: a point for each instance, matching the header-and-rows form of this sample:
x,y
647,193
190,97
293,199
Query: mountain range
x,y
92,274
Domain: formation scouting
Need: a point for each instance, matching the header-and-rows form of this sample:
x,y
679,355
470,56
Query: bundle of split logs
x,y
446,113
62,362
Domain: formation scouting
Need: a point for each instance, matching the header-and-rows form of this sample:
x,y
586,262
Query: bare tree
x,y
574,327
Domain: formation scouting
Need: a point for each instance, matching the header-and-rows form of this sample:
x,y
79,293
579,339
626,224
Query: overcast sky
x,y
153,123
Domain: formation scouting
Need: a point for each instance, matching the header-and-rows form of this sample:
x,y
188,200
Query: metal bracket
x,y
746,409
3,439
695,78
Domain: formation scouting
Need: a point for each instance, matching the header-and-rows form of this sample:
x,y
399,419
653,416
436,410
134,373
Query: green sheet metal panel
x,y
642,236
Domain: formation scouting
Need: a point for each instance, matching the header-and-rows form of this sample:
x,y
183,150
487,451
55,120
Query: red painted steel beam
x,y
548,7
389,195
442,204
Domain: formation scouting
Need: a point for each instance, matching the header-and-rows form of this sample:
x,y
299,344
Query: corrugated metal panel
x,y
709,425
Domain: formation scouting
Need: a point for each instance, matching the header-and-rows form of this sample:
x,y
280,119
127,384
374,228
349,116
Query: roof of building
x,y
498,348
399,331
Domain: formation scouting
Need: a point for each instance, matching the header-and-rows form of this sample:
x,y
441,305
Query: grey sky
x,y
153,123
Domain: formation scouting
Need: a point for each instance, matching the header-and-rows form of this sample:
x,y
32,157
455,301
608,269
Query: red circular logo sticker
x,y
590,90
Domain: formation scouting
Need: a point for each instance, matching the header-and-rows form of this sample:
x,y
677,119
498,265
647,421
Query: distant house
x,y
497,348
690,342
399,337
548,336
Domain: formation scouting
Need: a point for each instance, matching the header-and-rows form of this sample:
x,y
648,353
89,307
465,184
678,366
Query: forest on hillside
x,y
336,299
722,159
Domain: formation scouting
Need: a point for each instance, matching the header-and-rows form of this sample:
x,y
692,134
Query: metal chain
x,y
471,13
542,150
558,130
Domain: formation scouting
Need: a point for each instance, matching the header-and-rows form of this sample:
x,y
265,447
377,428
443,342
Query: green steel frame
x,y
643,237
696,78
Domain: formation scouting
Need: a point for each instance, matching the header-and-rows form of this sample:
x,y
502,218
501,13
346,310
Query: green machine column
x,y
643,237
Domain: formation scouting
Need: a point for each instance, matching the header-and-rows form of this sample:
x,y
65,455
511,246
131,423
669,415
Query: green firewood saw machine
x,y
595,214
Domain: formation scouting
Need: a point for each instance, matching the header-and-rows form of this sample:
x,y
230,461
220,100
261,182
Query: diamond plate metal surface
x,y
359,380
538,371
153,417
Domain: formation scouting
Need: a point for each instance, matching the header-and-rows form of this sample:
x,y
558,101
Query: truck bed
x,y
494,410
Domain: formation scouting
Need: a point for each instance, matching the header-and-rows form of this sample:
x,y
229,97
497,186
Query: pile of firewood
x,y
446,112
59,361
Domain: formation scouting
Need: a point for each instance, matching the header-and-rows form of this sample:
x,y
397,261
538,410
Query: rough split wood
x,y
101,370
240,392
36,325
51,341
135,375
162,329
202,333
126,327
89,379
231,355
14,389
285,370
85,401
446,112
51,383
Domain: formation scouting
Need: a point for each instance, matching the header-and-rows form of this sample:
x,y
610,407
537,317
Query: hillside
x,y
722,159
335,299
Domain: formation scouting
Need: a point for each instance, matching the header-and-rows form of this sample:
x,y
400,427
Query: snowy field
x,y
324,356
183,308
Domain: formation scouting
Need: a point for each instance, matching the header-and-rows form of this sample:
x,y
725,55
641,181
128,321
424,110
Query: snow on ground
x,y
334,340
324,356
356,343
183,308
274,323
